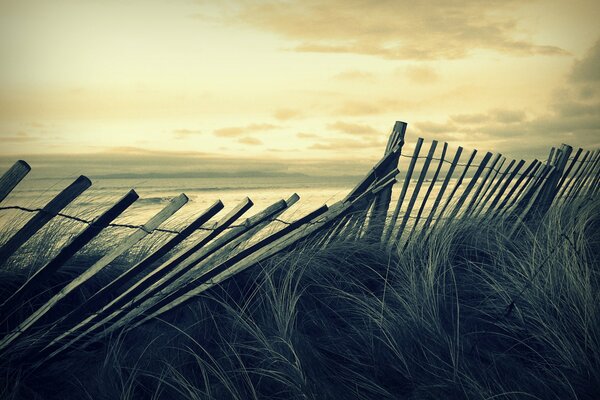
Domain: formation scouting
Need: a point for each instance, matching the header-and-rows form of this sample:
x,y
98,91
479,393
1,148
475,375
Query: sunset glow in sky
x,y
296,79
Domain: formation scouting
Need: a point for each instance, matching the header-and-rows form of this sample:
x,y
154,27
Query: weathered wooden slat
x,y
381,168
119,249
497,181
429,190
586,178
527,180
531,200
40,219
41,276
407,178
587,184
505,186
12,177
442,190
450,197
550,186
594,184
490,185
106,293
577,174
415,193
513,189
396,137
383,185
208,245
568,170
381,203
483,184
471,184
524,203
551,156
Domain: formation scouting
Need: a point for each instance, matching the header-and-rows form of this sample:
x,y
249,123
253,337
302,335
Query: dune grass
x,y
471,313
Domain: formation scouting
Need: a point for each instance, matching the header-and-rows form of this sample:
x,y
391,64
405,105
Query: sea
x,y
155,193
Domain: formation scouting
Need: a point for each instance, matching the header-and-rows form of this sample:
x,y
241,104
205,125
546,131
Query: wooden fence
x,y
435,187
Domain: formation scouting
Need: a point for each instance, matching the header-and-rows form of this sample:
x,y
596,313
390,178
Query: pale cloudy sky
x,y
304,80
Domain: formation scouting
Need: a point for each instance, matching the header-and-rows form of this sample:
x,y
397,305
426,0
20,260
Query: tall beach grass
x,y
471,313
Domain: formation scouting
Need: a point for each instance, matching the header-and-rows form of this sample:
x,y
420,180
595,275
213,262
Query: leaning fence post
x,y
41,275
12,177
38,221
381,203
119,249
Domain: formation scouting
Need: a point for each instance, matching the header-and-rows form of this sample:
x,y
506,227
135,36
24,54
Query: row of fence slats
x,y
155,306
207,246
505,186
497,181
261,250
106,293
588,176
487,182
593,176
550,186
566,174
583,172
569,181
520,202
109,312
39,220
493,186
258,252
12,177
442,190
119,249
481,185
429,190
411,166
455,189
41,276
536,193
518,190
465,194
515,189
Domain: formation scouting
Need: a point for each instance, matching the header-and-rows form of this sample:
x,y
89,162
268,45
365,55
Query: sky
x,y
294,81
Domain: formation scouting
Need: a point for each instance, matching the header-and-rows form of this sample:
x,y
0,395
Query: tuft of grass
x,y
470,313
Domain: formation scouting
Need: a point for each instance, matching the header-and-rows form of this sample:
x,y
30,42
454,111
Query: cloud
x,y
236,131
508,116
284,114
379,106
352,129
588,69
354,75
469,118
185,133
304,135
249,140
345,144
420,74
399,29
19,137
